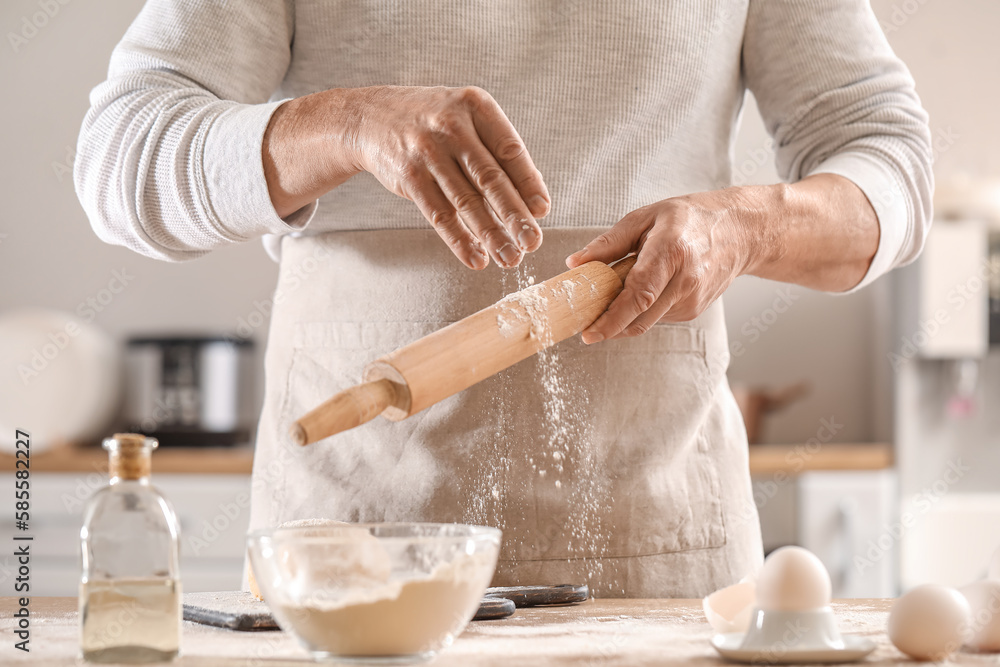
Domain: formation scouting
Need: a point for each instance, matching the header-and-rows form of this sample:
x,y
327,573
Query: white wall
x,y
50,257
840,343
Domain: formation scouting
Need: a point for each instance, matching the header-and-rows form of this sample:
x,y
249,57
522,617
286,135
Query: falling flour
x,y
569,450
558,448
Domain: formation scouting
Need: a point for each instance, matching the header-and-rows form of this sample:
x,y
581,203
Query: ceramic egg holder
x,y
790,621
774,630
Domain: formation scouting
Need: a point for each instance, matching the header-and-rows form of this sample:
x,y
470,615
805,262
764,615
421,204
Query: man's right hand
x,y
452,151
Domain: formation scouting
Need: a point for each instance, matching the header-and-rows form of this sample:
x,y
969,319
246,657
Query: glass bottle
x,y
130,589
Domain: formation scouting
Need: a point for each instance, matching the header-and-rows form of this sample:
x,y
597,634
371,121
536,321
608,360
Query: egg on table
x,y
929,622
984,601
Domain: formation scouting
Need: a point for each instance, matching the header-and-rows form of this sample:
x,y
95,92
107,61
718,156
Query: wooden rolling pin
x,y
458,356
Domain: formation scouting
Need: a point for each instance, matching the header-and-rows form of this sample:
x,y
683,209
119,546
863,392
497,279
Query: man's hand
x,y
820,232
689,251
452,151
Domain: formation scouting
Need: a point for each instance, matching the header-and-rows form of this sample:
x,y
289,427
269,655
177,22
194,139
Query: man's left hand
x,y
690,249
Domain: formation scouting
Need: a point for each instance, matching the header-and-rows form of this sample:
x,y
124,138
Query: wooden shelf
x,y
187,460
793,459
764,459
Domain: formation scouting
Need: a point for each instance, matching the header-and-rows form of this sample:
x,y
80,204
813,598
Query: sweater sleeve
x,y
837,100
169,156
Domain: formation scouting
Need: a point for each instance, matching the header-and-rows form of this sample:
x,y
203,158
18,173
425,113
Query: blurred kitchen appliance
x,y
946,309
994,322
191,391
949,313
947,377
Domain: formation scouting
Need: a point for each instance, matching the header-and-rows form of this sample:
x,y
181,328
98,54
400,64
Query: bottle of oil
x,y
130,590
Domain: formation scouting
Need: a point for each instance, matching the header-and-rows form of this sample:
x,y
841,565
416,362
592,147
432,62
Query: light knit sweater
x,y
620,104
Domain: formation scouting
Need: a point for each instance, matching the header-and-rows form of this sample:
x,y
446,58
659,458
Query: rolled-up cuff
x,y
882,189
234,175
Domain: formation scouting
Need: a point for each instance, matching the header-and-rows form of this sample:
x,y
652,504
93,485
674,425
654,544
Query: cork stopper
x,y
129,456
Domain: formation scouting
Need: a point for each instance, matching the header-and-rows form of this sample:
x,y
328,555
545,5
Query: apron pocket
x,y
380,471
639,477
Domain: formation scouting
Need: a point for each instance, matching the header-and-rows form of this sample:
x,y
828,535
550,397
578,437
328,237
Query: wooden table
x,y
598,632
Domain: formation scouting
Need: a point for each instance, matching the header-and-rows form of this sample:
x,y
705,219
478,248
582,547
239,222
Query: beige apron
x,y
622,465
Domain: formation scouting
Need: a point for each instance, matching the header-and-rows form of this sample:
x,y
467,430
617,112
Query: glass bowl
x,y
389,593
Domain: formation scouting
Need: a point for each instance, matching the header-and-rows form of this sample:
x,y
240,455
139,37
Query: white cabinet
x,y
213,511
951,537
849,520
846,517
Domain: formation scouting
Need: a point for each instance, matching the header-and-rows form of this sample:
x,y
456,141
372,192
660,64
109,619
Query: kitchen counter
x,y
186,460
597,632
764,459
793,459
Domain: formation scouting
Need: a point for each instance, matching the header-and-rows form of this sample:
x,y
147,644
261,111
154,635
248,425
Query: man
x,y
619,460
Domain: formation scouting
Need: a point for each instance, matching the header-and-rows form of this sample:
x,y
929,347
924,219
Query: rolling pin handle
x,y
348,409
623,266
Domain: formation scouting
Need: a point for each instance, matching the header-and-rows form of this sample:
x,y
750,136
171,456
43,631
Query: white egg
x,y
929,622
994,571
729,609
793,579
984,628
